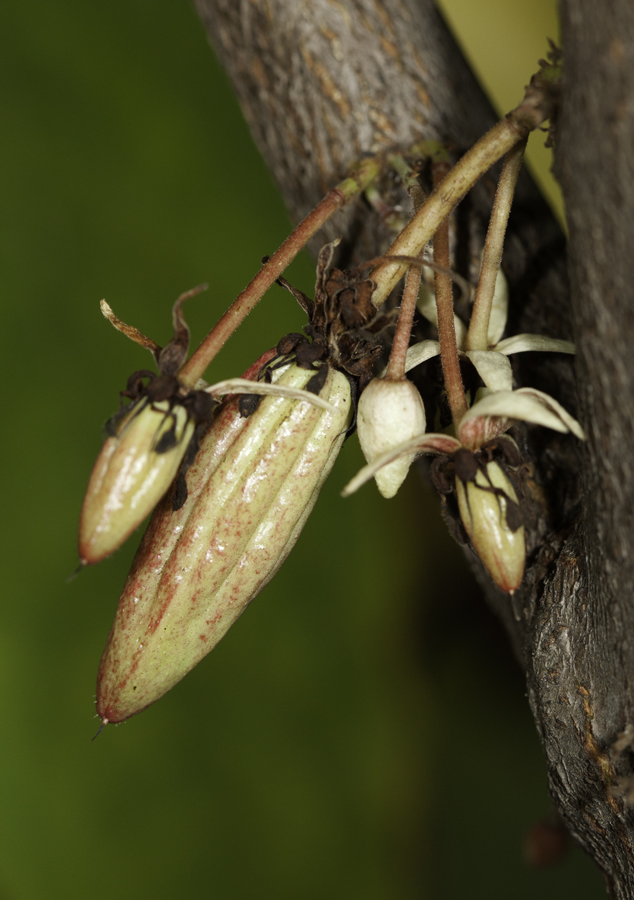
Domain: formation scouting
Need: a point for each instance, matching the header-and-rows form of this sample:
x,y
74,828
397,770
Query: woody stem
x,y
273,268
477,336
444,305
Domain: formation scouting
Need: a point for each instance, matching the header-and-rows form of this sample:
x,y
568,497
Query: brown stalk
x,y
444,305
273,268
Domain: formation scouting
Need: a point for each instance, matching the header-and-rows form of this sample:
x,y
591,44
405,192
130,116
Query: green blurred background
x,y
362,732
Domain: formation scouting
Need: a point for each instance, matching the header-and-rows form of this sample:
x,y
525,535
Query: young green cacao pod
x,y
490,513
135,468
389,414
147,443
250,491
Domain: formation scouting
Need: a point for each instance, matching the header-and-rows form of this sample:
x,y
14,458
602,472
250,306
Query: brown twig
x,y
444,305
273,268
398,354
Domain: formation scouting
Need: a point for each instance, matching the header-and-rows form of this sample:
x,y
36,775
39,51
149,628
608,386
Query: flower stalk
x,y
391,409
402,335
273,268
535,108
444,305
478,333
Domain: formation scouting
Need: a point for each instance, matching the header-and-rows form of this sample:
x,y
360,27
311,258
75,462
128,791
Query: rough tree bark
x,y
323,82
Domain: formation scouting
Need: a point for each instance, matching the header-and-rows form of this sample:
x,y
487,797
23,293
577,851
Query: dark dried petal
x,y
135,386
380,323
179,491
509,451
305,302
248,403
514,517
173,355
465,465
179,494
168,439
162,387
454,524
307,354
351,312
318,380
200,406
289,342
442,474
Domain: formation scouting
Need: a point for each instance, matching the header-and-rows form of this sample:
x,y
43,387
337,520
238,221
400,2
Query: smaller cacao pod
x,y
133,471
490,514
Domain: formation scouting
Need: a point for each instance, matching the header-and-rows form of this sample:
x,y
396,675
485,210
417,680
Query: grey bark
x,y
323,82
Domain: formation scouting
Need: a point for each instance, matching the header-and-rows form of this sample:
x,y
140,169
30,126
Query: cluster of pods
x,y
232,470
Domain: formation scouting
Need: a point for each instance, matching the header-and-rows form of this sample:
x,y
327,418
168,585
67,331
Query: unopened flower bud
x,y
133,471
389,413
490,513
250,491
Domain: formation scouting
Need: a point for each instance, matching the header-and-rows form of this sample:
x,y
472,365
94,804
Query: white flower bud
x,y
389,413
484,508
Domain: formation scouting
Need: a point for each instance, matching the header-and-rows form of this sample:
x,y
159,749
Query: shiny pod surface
x,y
130,477
483,513
251,489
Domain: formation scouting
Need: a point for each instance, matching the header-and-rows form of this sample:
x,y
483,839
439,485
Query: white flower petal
x,y
550,402
520,343
499,309
426,305
461,331
419,353
493,368
243,386
425,443
528,405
